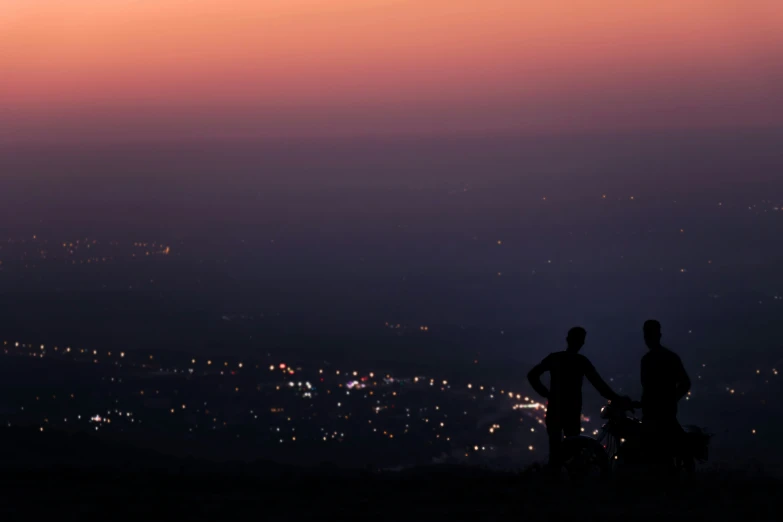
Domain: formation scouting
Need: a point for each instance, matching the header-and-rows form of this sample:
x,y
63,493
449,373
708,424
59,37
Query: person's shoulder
x,y
669,354
583,359
660,354
557,357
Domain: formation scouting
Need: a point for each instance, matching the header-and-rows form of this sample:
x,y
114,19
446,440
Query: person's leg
x,y
572,424
555,432
660,443
677,446
557,427
650,443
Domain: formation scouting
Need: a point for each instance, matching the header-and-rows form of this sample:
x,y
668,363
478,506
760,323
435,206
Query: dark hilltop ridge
x,y
80,477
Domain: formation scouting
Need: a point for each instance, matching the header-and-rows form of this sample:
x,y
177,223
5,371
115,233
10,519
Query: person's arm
x,y
534,376
683,381
599,384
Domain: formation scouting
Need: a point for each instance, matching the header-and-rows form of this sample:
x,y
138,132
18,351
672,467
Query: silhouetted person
x,y
564,396
664,383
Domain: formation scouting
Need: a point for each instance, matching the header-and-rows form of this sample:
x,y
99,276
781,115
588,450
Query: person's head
x,y
652,333
576,338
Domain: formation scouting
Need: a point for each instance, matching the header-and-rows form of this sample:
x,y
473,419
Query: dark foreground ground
x,y
427,496
78,478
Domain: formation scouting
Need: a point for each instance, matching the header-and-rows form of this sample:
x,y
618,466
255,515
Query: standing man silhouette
x,y
564,396
664,383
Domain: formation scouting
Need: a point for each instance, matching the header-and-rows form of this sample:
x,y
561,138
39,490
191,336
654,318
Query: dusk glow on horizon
x,y
171,69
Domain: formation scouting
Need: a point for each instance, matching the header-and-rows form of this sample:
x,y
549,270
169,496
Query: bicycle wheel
x,y
584,459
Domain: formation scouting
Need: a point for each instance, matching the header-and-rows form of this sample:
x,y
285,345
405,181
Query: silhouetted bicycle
x,y
620,443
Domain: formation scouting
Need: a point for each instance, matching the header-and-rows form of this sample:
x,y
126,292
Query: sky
x,y
136,70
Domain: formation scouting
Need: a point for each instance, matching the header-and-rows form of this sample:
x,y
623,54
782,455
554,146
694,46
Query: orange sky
x,y
184,68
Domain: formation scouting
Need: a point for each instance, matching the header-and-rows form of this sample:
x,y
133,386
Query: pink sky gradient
x,y
170,69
